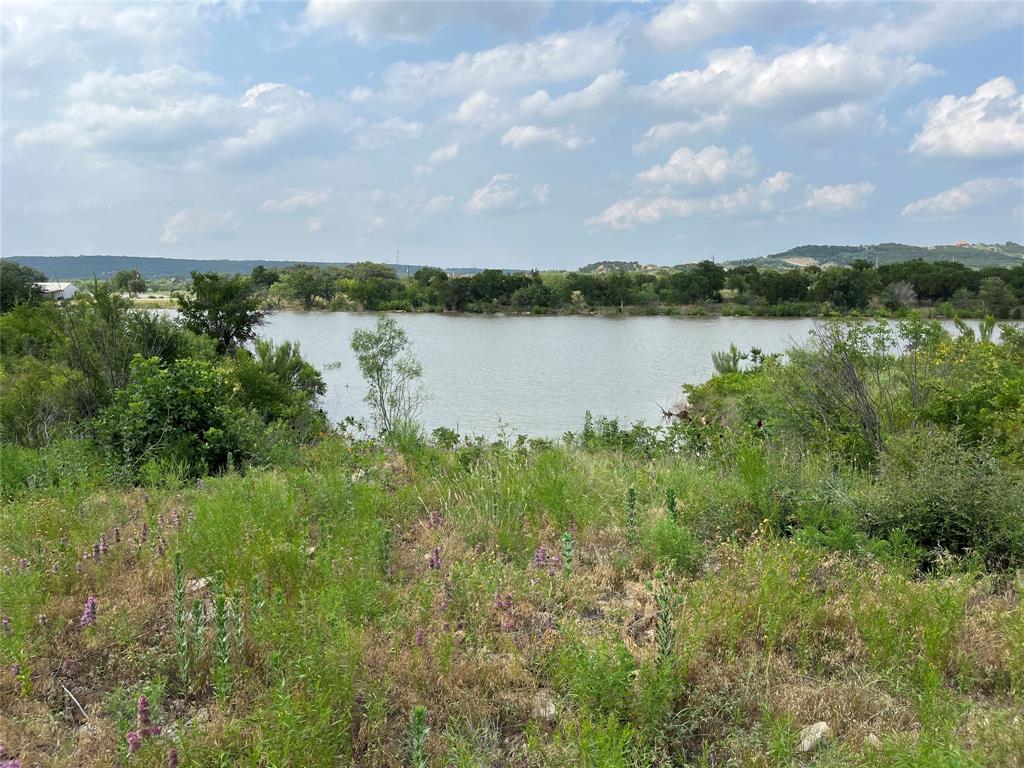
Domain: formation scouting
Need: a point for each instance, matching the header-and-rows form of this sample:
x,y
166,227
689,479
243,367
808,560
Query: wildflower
x,y
172,759
23,563
143,714
161,547
96,552
144,533
117,535
15,669
15,763
176,519
88,613
435,559
134,739
7,625
103,544
540,557
420,636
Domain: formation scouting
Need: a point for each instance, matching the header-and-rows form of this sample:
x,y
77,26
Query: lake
x,y
537,375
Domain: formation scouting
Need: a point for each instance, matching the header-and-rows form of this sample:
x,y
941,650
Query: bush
x,y
675,547
947,497
180,413
278,384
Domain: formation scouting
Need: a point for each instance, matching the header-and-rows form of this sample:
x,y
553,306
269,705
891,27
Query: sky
x,y
513,135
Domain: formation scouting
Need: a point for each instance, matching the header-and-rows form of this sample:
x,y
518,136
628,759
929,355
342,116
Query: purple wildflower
x,y
88,613
23,563
103,544
7,625
117,535
161,547
134,739
144,533
15,763
143,715
435,559
96,552
172,759
15,669
176,519
420,636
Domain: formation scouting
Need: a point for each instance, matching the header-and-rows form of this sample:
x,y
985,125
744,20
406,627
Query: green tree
x,y
129,281
996,296
17,284
223,307
391,372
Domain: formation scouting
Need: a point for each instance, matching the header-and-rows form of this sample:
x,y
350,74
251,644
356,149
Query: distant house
x,y
58,291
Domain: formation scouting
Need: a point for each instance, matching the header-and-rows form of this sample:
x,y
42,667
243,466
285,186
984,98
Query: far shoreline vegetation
x,y
985,280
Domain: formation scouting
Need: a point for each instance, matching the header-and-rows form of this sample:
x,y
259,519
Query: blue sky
x,y
508,134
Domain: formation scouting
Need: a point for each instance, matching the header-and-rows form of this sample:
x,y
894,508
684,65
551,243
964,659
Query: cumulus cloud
x,y
521,136
504,193
193,223
839,197
603,89
800,81
416,22
557,57
711,165
301,200
386,132
437,157
630,213
664,133
479,109
989,122
970,194
686,22
155,112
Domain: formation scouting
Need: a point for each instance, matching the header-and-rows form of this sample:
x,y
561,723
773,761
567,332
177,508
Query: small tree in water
x,y
391,371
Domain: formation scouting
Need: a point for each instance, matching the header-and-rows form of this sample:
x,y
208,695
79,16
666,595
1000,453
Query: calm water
x,y
538,375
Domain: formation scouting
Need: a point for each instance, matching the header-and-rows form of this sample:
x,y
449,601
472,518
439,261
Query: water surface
x,y
537,375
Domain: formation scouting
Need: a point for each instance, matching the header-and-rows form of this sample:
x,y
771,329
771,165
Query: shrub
x,y
947,496
675,547
178,413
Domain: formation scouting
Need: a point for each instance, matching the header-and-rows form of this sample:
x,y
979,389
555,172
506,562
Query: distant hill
x,y
104,267
975,255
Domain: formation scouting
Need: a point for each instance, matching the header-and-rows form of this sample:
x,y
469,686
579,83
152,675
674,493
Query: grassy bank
x,y
542,611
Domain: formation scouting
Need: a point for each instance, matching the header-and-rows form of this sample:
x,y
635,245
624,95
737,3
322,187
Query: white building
x,y
58,291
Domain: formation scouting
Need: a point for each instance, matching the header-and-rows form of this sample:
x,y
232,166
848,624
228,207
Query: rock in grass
x,y
543,705
812,736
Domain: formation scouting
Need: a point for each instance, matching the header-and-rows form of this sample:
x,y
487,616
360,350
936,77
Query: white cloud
x,y
192,223
521,136
711,165
962,197
839,197
479,109
603,89
685,22
556,57
632,212
663,133
301,200
989,122
416,22
387,132
315,223
503,193
800,81
152,113
926,25
437,157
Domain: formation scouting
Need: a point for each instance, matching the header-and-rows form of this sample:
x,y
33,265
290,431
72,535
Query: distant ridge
x,y
104,267
975,255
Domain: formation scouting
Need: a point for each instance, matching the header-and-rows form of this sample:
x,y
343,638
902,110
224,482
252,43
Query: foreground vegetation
x,y
818,562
